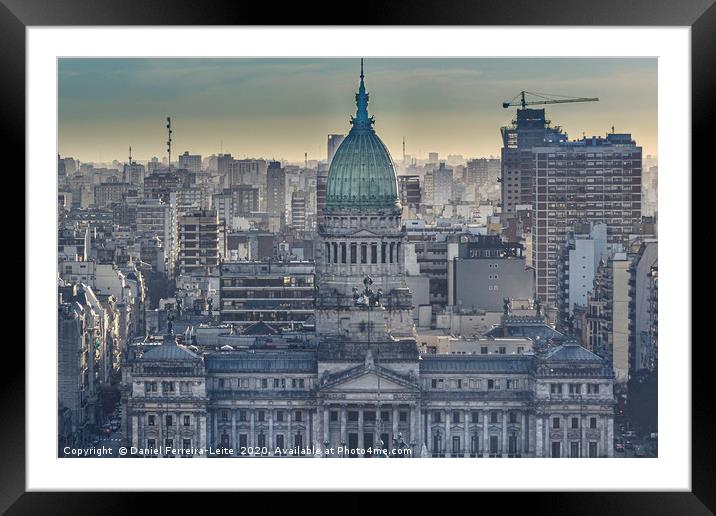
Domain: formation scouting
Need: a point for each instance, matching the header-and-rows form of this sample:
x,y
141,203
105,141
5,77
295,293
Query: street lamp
x,y
326,443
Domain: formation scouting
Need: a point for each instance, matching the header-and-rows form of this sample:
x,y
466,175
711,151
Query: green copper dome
x,y
361,176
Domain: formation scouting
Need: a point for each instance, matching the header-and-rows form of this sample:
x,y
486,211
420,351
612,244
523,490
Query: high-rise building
x,y
321,178
608,314
275,194
281,294
156,218
190,162
334,141
409,188
433,158
442,185
298,210
199,246
590,180
579,257
530,129
643,295
476,172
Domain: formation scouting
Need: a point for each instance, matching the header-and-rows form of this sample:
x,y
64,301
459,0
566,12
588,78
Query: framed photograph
x,y
429,235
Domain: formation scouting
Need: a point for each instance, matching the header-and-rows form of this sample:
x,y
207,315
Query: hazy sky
x,y
281,108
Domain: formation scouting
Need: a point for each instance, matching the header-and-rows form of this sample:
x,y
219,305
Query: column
x,y
505,415
539,439
447,446
202,432
215,418
360,428
289,436
396,419
564,422
135,433
524,442
466,439
413,414
531,433
485,434
270,444
344,437
252,428
610,436
583,447
234,439
326,425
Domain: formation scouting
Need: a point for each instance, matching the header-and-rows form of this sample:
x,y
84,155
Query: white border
x,y
671,471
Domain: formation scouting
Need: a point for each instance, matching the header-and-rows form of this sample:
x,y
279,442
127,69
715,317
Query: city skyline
x,y
282,108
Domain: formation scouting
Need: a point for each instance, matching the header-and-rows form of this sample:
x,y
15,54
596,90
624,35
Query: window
x,y
592,388
592,422
353,253
385,416
298,416
513,417
150,420
261,415
455,416
352,415
474,416
493,445
261,441
276,383
242,415
592,449
503,350
279,441
459,384
224,415
556,446
264,383
368,416
298,441
483,350
334,416
555,422
151,443
490,384
555,388
493,416
436,416
187,420
186,444
221,383
403,416
169,420
279,416
434,383
456,444
575,422
363,253
574,449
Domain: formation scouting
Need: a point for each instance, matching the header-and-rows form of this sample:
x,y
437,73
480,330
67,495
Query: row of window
x,y
262,383
262,415
456,416
474,383
573,422
152,420
168,387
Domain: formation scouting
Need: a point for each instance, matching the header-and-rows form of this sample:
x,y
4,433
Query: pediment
x,y
365,233
369,380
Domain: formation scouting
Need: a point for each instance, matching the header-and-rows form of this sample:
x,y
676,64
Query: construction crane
x,y
543,98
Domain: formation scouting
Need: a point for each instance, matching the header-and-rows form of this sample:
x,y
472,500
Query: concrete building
x,y
486,272
190,162
642,311
275,195
608,314
281,294
579,256
590,180
199,246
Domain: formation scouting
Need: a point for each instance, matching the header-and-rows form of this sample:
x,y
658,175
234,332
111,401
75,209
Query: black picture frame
x,y
700,15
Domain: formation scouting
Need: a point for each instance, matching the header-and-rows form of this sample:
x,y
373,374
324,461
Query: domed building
x,y
362,236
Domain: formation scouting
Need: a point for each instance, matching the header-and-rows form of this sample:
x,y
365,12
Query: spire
x,y
362,120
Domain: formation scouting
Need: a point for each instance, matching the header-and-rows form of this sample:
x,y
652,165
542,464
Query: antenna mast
x,y
169,141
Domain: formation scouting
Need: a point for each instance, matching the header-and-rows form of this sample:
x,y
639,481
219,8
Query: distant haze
x,y
281,108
